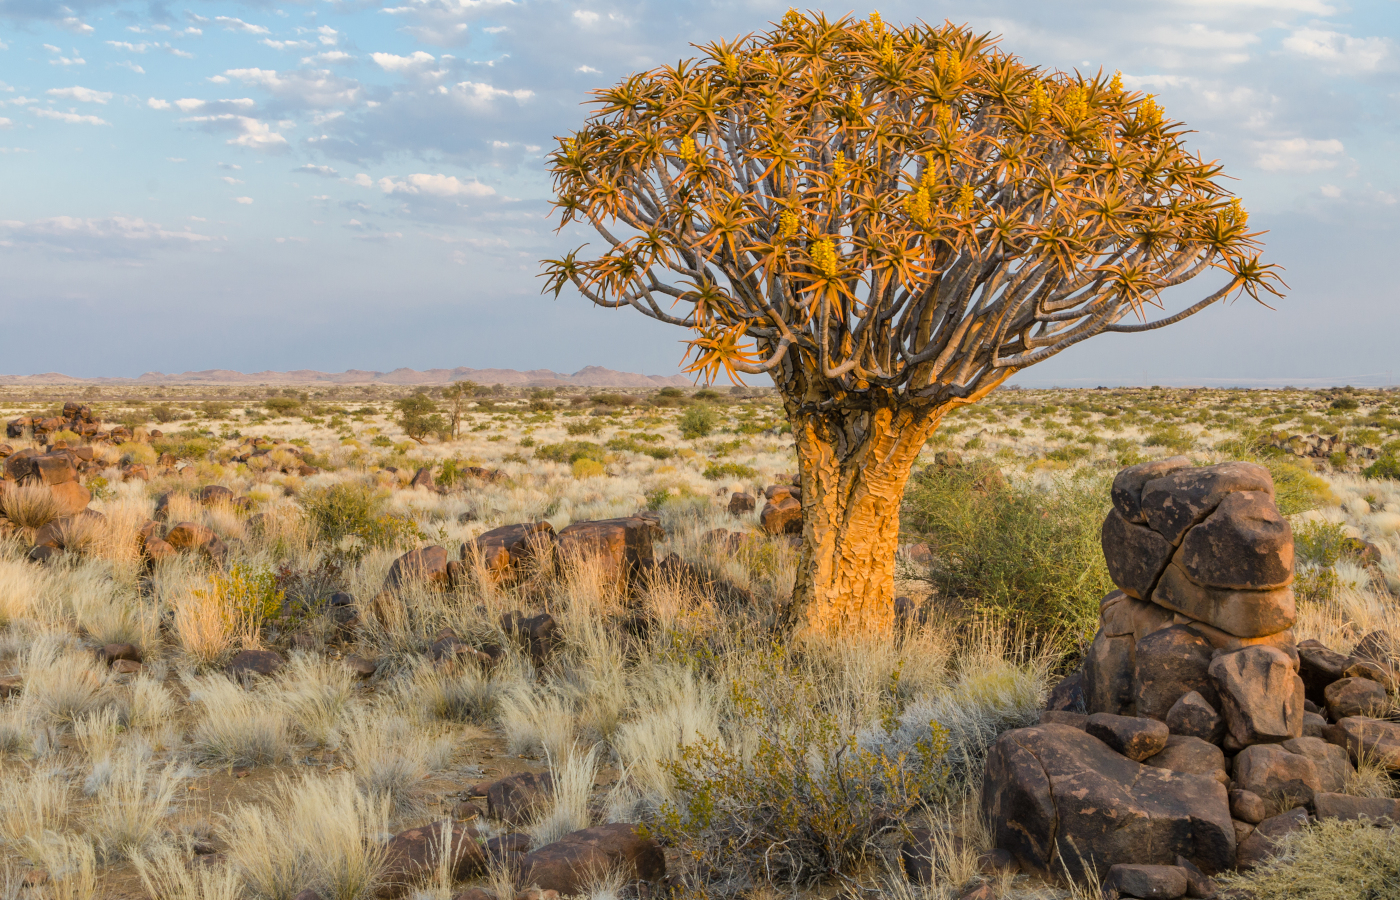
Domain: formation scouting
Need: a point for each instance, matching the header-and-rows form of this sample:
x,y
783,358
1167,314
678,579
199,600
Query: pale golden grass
x,y
1332,860
237,727
391,760
679,710
29,506
62,683
167,874
20,586
317,693
132,798
567,811
71,861
33,804
149,710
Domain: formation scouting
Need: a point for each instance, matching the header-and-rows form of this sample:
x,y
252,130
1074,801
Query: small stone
x,y
1242,831
1260,697
465,811
1199,885
1262,843
996,861
1334,769
261,663
126,667
474,893
981,891
360,667
1193,716
1313,724
114,652
1319,666
1135,738
1361,667
1147,882
1247,806
1380,810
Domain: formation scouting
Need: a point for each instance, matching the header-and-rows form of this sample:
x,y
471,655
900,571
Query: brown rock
x,y
740,503
414,855
1378,647
570,864
190,536
1242,613
1050,792
157,550
1191,715
1248,806
1361,667
1191,755
72,498
1198,883
1372,738
53,468
1313,724
1120,614
1244,545
1128,484
1260,697
623,547
1061,717
126,667
1281,778
248,663
1334,768
1242,830
1108,675
996,862
1355,697
1175,502
1263,843
1223,640
1134,737
1164,882
114,652
425,565
1135,554
504,550
981,891
1380,810
360,667
1169,664
423,478
516,799
916,856
214,493
782,516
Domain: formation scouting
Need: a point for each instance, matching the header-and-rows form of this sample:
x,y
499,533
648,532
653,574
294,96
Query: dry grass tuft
x,y
167,874
573,778
1332,860
237,727
29,506
133,798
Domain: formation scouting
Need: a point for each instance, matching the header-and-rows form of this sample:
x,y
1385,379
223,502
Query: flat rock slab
x,y
578,860
1244,545
1263,842
1350,697
1192,755
1175,502
1147,882
1246,614
1379,810
1134,737
1060,800
1373,738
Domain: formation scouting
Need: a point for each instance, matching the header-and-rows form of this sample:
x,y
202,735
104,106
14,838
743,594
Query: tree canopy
x,y
899,211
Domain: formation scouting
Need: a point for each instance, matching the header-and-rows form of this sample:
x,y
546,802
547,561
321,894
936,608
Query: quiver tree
x,y
889,223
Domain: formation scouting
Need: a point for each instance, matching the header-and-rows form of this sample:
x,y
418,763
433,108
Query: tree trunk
x,y
854,467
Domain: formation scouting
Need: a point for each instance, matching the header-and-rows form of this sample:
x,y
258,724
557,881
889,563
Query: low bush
x,y
571,452
184,444
698,421
350,509
1021,554
716,471
1386,467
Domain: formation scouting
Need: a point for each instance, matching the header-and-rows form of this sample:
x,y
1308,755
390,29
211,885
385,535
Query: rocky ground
x,y
265,644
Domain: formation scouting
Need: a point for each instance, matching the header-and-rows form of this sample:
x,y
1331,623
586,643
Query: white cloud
x,y
232,24
435,186
479,94
585,17
1340,52
70,118
1331,191
190,104
391,63
589,70
1315,7
363,180
5,123
65,61
153,103
114,235
323,171
495,29
77,26
183,54
128,64
328,35
128,46
80,94
229,179
329,57
314,88
243,200
283,45
1298,155
251,133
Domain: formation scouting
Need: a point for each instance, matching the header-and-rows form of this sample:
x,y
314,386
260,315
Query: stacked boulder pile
x,y
57,470
1198,732
76,418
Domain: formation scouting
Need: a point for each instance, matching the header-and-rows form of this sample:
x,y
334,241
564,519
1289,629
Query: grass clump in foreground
x,y
1332,860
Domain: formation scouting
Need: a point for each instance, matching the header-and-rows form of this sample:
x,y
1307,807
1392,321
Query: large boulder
x,y
1244,545
416,855
782,515
622,547
1169,664
504,550
577,861
519,799
71,497
1192,755
1134,737
1181,499
1135,554
1349,697
1274,773
1108,674
1334,768
426,565
1062,802
1260,697
1245,614
1126,492
1373,739
1192,716
1264,841
1379,810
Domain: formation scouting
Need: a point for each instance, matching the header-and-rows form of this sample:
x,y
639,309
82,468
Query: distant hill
x,y
589,376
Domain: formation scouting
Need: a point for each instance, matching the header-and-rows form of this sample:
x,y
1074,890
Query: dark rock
x,y
1061,800
1191,715
740,503
214,493
255,663
1128,484
114,652
981,891
1361,667
360,667
1156,882
568,865
1244,545
1319,666
1246,614
1260,697
1199,885
517,799
996,862
1372,738
1191,755
1355,697
1135,554
1179,500
916,856
1378,647
622,547
782,515
1334,768
1108,675
1263,842
415,855
1276,775
1060,717
1313,724
1248,806
426,565
1169,664
540,634
1134,737
1068,693
1380,810
423,478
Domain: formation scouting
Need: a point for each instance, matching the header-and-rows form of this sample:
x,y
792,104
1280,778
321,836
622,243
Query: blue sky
x,y
332,185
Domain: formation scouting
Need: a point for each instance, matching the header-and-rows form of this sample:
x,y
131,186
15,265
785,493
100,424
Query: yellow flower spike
x,y
787,226
966,197
940,60
1076,104
1040,101
1149,112
876,21
944,116
1235,214
824,257
1116,85
838,169
688,151
917,206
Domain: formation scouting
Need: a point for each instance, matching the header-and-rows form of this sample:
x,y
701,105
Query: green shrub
x,y
587,426
184,444
1173,437
351,509
281,405
698,421
1331,860
640,443
716,471
1386,467
1063,454
587,468
570,452
1025,555
419,418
